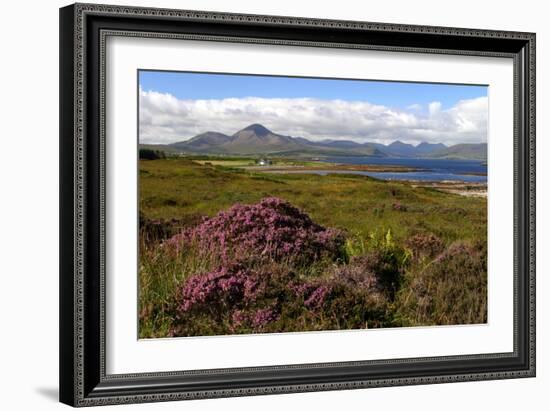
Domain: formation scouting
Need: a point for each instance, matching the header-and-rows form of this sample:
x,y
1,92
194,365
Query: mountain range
x,y
258,140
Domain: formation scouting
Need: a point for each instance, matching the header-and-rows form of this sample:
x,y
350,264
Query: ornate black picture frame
x,y
83,30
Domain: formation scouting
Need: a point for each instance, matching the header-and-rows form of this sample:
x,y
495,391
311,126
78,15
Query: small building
x,y
263,162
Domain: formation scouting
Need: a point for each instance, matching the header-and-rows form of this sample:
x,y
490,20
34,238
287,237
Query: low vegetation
x,y
225,250
149,154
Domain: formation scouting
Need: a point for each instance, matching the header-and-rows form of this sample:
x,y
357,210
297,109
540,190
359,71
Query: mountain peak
x,y
398,143
426,144
257,129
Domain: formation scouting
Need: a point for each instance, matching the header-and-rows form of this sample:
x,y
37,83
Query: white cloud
x,y
415,107
434,108
166,119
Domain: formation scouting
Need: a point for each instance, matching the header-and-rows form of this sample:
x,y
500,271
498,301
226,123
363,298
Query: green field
x,y
179,188
389,218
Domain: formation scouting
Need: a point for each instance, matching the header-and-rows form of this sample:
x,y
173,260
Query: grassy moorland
x,y
225,249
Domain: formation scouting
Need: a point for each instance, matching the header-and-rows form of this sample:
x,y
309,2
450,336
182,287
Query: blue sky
x,y
176,106
392,94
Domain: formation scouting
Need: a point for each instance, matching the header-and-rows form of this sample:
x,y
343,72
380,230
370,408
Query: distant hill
x,y
463,152
203,142
400,149
257,139
429,148
404,150
341,147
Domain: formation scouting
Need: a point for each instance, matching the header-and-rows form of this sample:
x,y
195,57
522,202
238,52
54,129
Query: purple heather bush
x,y
273,297
277,270
272,228
225,287
318,297
263,317
234,297
267,267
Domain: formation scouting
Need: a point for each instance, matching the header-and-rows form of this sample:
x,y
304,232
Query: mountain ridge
x,y
258,139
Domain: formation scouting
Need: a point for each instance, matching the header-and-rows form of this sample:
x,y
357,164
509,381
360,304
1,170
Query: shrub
x,y
424,246
387,260
371,270
235,298
153,231
399,207
274,298
267,267
148,154
272,228
452,289
363,298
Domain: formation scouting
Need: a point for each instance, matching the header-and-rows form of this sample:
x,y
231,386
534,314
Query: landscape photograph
x,y
273,204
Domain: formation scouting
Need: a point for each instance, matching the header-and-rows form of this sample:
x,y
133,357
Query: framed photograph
x,y
261,204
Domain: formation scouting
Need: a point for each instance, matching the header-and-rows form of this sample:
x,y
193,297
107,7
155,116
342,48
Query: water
x,y
412,175
432,169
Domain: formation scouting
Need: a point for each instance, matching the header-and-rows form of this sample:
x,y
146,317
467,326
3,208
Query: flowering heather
x,y
238,318
359,273
220,287
457,250
318,297
267,267
244,298
271,228
299,284
263,317
273,298
313,292
301,289
381,268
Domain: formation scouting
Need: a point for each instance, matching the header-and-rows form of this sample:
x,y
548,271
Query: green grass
x,y
366,209
176,188
246,162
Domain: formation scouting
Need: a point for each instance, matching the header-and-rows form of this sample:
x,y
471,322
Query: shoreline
x,y
338,167
458,187
462,188
455,187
